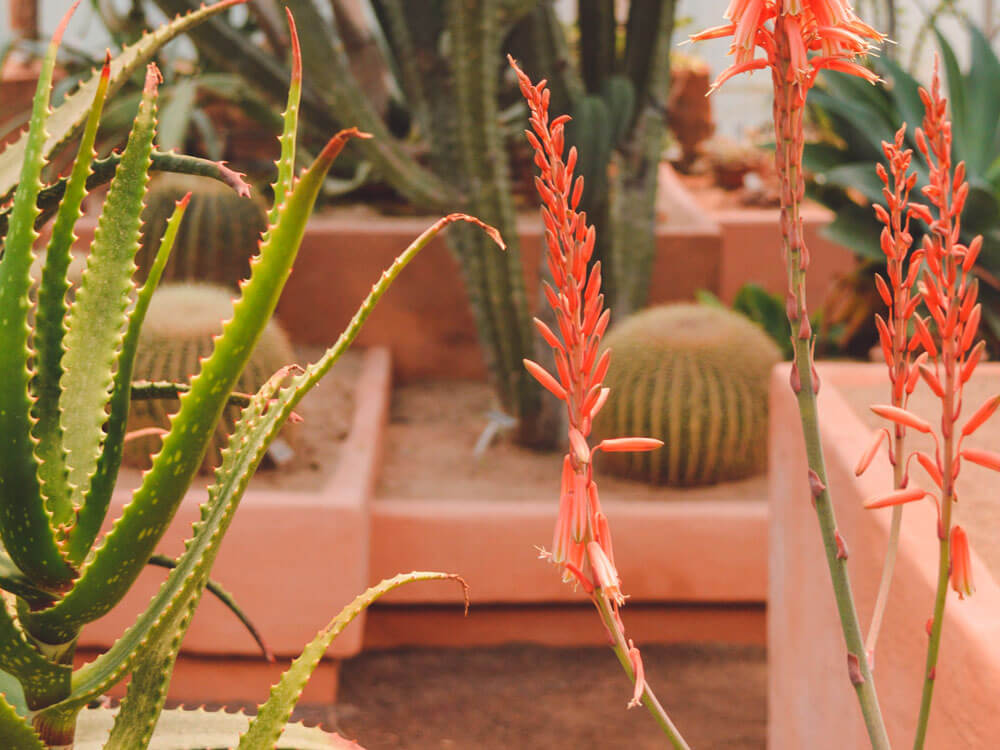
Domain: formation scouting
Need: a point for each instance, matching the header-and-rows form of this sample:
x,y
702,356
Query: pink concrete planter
x,y
291,559
426,320
810,701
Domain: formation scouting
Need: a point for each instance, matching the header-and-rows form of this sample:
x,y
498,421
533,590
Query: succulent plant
x,y
695,377
219,235
65,391
181,324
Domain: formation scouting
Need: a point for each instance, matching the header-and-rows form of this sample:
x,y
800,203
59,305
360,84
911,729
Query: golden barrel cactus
x,y
695,377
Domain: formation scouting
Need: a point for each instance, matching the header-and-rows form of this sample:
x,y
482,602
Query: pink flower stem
x,y
788,112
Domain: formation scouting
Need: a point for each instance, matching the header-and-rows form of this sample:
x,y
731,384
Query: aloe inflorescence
x,y
65,393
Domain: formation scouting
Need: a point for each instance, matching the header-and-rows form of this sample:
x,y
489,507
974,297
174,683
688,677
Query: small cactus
x,y
180,327
217,239
695,377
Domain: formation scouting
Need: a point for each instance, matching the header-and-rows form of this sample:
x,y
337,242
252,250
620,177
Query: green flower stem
x,y
649,699
889,563
788,112
944,536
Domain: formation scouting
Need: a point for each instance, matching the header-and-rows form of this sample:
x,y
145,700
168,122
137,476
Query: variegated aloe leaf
x,y
11,689
42,679
98,313
16,582
180,729
25,524
50,327
91,513
258,425
67,120
272,717
16,732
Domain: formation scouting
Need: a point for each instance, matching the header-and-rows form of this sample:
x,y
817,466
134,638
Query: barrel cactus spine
x,y
181,324
219,235
695,377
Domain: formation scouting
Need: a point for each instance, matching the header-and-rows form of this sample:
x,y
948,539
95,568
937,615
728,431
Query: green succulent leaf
x,y
23,661
99,313
25,524
11,689
95,506
961,124
272,717
16,732
67,119
181,729
50,327
17,583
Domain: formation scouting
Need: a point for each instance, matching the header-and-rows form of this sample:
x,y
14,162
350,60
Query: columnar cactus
x,y
696,377
217,239
181,325
449,59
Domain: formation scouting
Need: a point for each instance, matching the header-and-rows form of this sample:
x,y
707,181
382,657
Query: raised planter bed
x,y
811,703
292,558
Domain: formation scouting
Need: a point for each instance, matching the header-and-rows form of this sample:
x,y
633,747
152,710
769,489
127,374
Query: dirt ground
x,y
526,696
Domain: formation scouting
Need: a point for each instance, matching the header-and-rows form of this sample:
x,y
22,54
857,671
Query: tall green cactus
x,y
65,392
449,58
695,377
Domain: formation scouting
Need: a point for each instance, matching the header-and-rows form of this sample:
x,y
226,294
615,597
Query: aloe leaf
x,y
16,732
25,525
11,689
147,690
286,161
95,506
50,328
99,311
14,581
258,425
274,714
69,117
217,590
44,678
183,728
145,390
124,551
102,170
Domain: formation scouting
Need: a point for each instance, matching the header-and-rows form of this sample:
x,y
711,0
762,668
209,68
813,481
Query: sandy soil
x,y
326,412
524,696
977,510
434,426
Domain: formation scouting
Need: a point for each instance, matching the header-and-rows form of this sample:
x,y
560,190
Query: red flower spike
x,y
898,497
866,458
640,674
961,563
903,417
542,375
989,459
932,380
631,444
983,413
930,467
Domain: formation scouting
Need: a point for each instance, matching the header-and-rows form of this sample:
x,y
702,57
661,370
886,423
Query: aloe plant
x,y
448,60
859,118
65,390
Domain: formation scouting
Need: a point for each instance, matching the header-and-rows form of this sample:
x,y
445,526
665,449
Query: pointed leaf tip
x,y
61,28
296,48
153,79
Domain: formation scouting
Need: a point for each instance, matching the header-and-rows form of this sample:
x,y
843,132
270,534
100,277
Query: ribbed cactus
x,y
181,324
218,237
695,377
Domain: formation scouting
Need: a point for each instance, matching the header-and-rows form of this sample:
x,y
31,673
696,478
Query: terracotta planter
x,y
292,559
811,703
425,318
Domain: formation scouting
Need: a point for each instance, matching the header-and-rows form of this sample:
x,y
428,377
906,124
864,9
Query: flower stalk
x,y
787,31
582,540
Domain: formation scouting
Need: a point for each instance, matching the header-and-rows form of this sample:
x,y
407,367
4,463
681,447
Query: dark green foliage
x,y
219,235
858,117
696,377
182,321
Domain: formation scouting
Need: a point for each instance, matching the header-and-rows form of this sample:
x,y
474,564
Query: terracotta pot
x,y
811,702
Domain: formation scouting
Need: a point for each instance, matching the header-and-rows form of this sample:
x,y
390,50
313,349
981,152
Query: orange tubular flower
x,y
961,563
827,28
